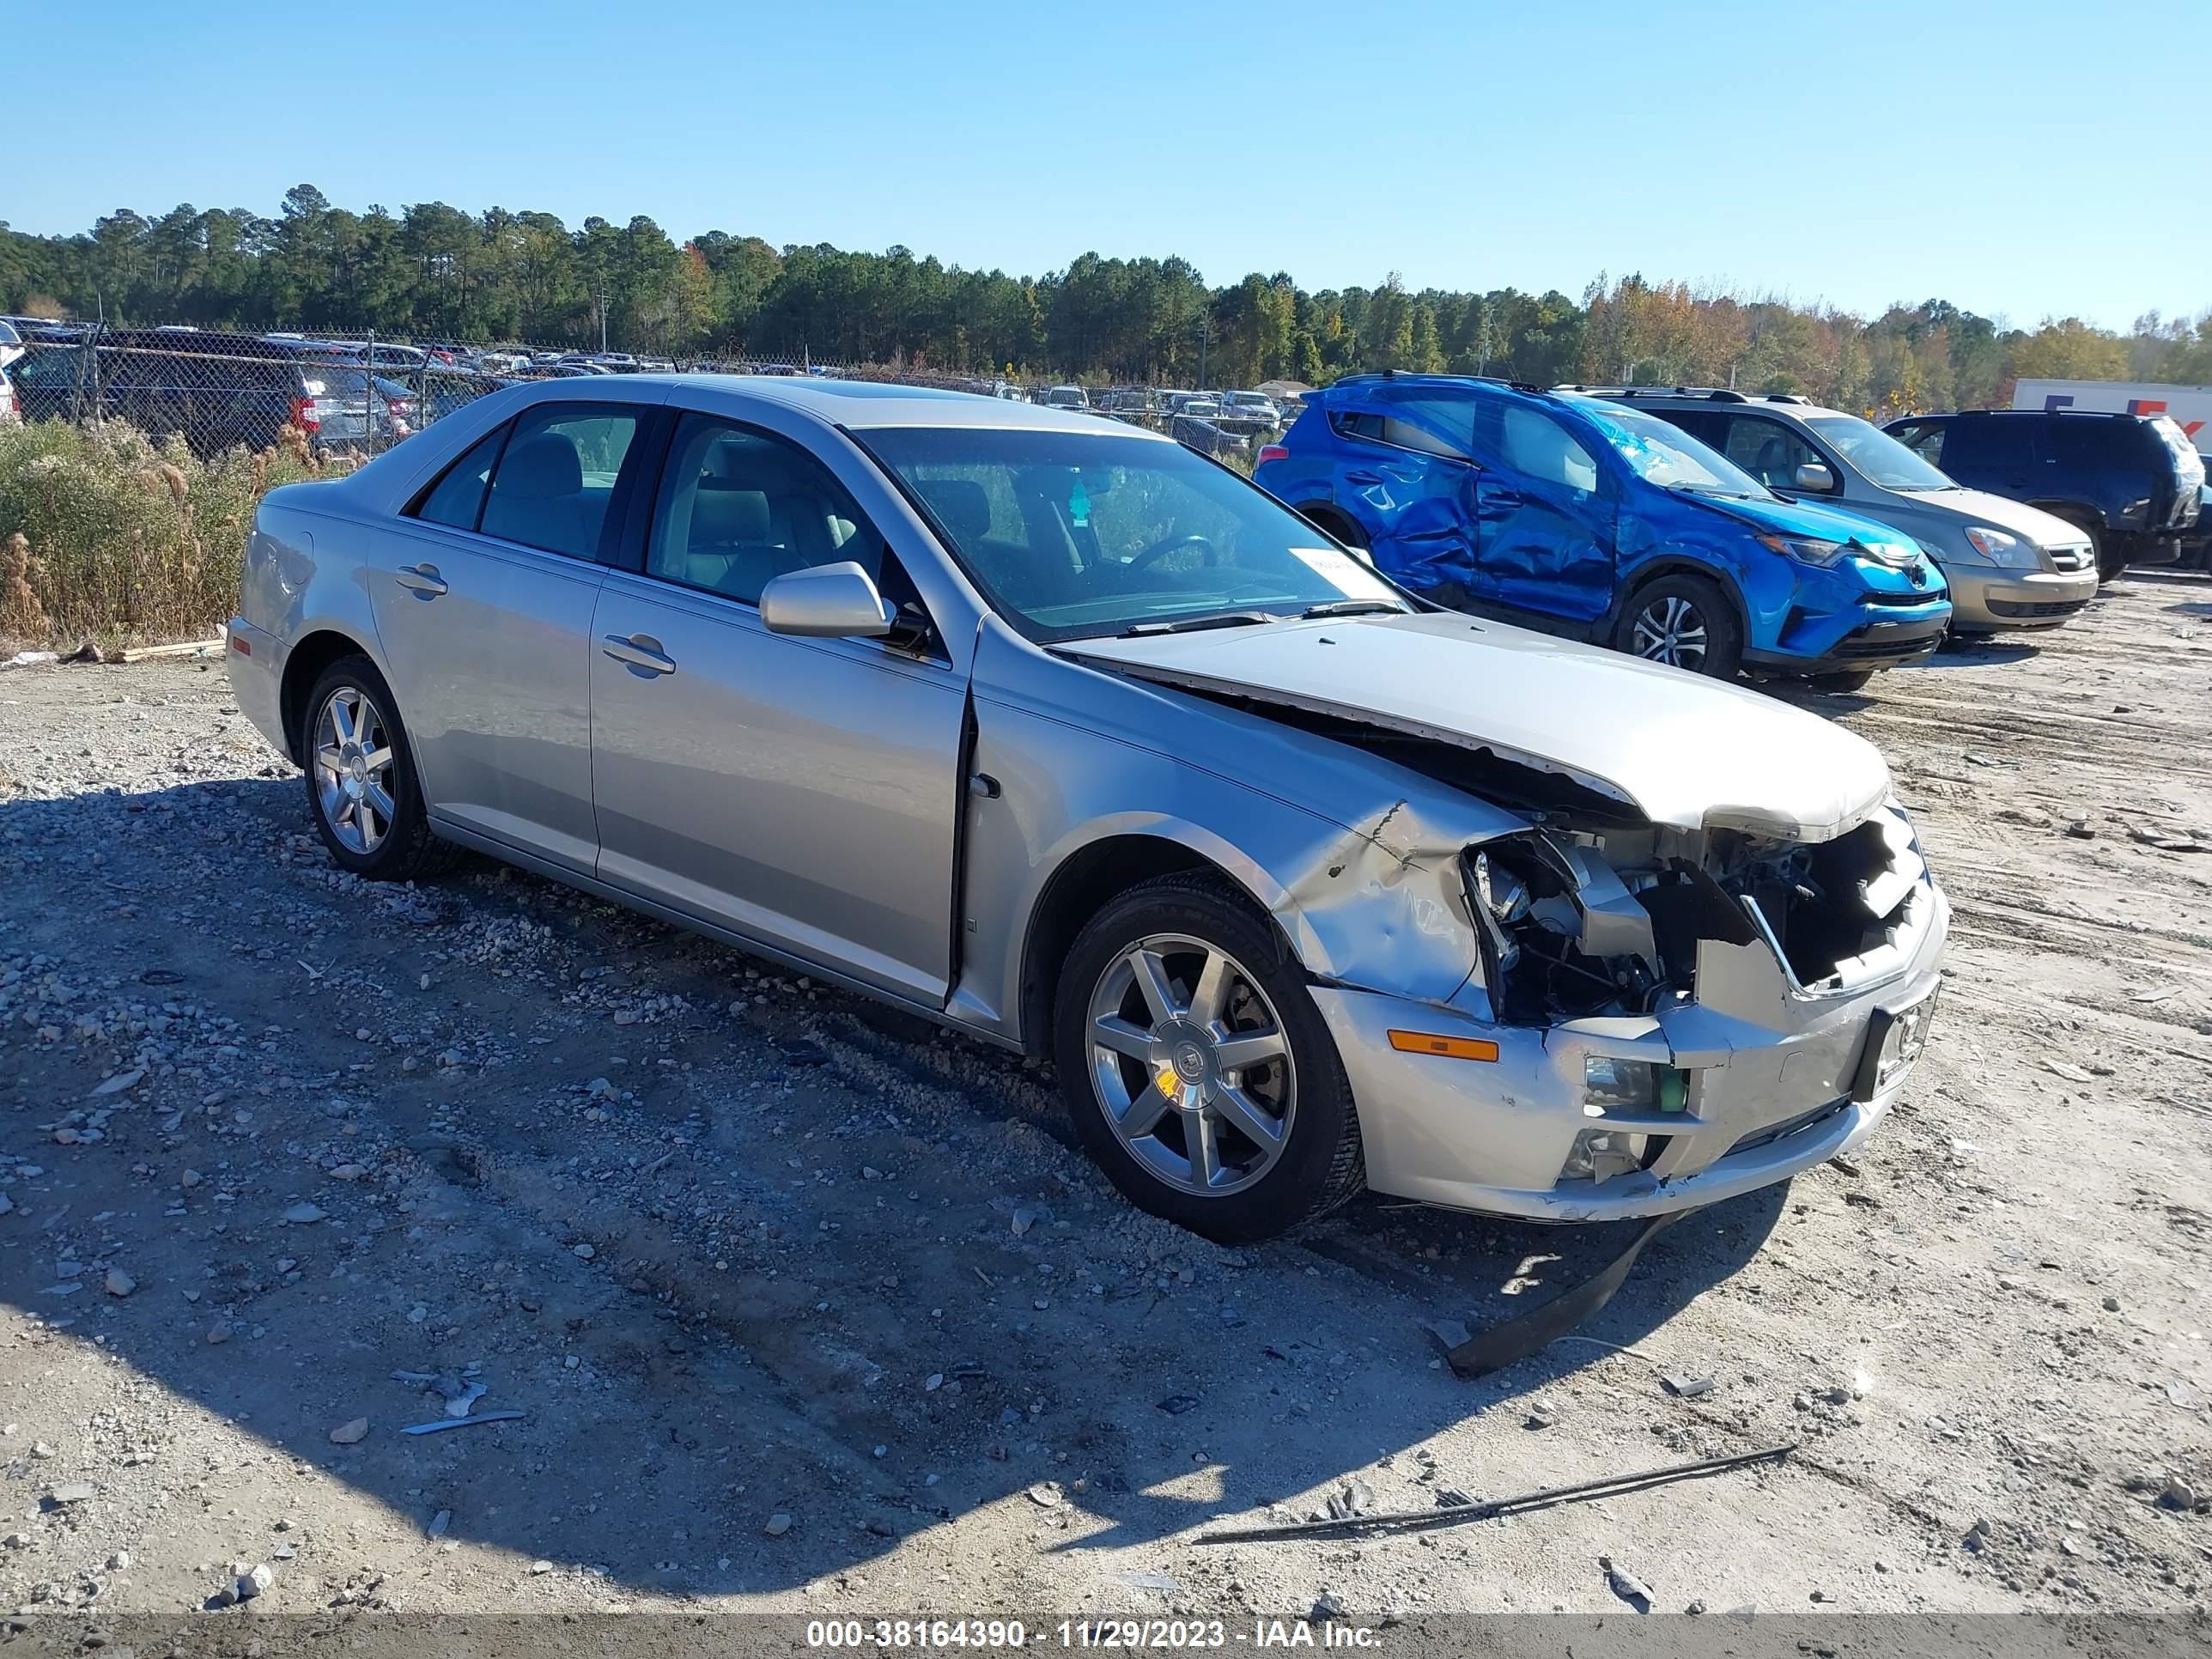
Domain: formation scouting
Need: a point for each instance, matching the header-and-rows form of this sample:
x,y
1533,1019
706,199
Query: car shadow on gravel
x,y
806,1281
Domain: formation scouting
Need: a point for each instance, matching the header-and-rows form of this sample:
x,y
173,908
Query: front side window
x,y
1769,451
1073,535
1660,453
738,508
1882,460
1923,441
557,474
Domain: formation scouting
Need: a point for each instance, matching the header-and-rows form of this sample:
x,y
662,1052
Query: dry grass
x,y
107,536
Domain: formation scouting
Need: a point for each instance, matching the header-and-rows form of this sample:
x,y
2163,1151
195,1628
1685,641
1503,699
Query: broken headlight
x,y
1561,936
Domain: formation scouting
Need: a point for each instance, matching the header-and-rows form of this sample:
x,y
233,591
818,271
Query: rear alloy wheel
x,y
354,757
1685,622
362,791
1197,1070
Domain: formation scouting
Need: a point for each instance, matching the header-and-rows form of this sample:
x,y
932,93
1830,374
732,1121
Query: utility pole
x,y
1204,333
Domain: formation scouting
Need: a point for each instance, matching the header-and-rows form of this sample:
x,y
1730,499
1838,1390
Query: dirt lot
x,y
807,1309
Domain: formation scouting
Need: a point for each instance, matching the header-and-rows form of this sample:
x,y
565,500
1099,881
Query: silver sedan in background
x,y
1051,730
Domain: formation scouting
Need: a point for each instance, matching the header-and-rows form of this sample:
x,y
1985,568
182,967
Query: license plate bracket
x,y
1895,1037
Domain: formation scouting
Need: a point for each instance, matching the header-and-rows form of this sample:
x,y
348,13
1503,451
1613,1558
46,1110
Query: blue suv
x,y
1585,518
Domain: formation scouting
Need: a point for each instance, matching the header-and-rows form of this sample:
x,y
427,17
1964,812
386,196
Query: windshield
x,y
1887,463
1073,535
1665,455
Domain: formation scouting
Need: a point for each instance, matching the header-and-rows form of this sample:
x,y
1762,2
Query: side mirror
x,y
1815,476
827,602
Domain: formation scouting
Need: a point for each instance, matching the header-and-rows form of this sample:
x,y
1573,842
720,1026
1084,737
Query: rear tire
x,y
1684,621
1161,983
362,791
1330,522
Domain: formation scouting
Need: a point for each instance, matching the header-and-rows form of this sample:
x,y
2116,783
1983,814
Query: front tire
x,y
1199,1073
362,790
1686,622
1845,679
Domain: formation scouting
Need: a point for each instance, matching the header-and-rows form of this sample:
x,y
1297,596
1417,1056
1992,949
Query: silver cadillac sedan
x,y
1053,731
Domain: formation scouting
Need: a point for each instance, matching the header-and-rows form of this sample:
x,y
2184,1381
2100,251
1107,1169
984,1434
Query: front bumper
x,y
1771,1090
1983,598
1885,639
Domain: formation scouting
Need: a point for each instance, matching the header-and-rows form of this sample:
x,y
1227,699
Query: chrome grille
x,y
2076,557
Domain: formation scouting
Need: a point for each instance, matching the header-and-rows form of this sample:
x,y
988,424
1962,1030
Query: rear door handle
x,y
641,653
421,579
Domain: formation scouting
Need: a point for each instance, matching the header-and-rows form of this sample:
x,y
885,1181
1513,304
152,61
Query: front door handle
x,y
421,579
641,653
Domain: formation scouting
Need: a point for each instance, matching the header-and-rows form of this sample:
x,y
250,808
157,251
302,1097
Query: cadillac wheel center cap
x,y
1189,1062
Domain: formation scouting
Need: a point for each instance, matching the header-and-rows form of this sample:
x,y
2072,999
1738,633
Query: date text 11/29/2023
x,y
1128,1634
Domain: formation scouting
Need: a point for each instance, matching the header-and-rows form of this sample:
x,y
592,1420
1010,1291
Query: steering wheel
x,y
1159,550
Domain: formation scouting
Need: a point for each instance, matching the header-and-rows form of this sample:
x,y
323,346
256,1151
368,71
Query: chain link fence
x,y
354,396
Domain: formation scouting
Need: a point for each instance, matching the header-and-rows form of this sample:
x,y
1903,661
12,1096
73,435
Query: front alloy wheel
x,y
1191,1065
1196,1065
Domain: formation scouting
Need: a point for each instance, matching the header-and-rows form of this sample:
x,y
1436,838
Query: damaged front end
x,y
1678,1015
1676,964
1576,922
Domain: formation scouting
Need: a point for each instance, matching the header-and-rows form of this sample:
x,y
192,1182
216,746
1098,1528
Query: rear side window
x,y
2078,442
457,498
1388,429
1708,429
1537,447
557,475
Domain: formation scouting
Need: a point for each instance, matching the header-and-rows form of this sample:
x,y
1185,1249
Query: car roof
x,y
1789,405
2036,414
867,403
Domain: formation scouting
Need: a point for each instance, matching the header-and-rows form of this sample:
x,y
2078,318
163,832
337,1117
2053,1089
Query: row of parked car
x,y
1720,531
218,389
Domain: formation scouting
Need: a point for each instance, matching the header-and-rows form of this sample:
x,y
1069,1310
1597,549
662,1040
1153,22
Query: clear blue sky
x,y
2039,158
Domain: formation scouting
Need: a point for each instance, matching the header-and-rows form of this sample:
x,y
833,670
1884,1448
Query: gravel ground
x,y
807,1308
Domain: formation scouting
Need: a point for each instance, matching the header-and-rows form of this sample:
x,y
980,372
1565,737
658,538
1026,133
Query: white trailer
x,y
2189,407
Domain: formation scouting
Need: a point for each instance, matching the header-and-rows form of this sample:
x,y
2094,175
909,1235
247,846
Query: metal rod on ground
x,y
1416,1520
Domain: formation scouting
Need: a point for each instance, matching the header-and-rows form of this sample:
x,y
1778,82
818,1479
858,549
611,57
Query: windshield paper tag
x,y
1352,579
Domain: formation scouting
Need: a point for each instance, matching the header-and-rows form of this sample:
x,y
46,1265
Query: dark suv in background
x,y
218,390
2131,481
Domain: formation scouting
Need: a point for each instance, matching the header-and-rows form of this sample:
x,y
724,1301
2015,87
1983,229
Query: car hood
x,y
1802,519
2030,523
1681,749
